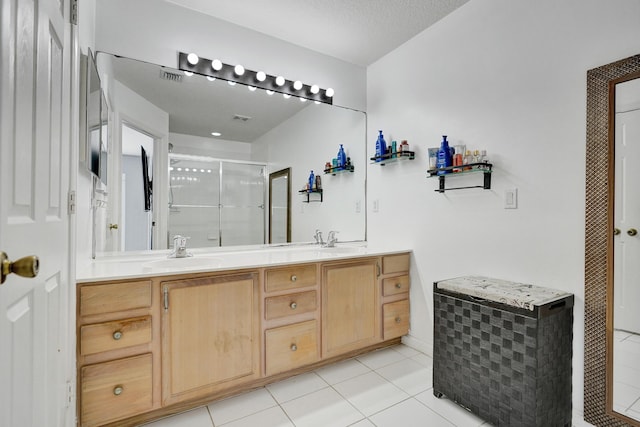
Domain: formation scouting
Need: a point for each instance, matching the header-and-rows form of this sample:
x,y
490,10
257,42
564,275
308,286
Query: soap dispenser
x,y
342,158
381,147
444,156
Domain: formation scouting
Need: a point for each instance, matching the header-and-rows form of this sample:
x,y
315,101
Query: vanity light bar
x,y
191,63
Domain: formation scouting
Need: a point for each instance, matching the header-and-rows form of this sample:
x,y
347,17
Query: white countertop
x,y
156,263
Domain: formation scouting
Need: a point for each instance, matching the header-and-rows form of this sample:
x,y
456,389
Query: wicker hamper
x,y
503,350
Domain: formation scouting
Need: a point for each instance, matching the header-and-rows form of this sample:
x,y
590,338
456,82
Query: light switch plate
x,y
511,198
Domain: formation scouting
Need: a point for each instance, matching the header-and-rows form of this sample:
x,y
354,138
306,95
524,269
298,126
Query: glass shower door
x,y
242,206
194,198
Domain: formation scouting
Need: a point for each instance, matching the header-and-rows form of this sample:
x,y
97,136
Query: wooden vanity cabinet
x,y
395,295
291,318
350,306
210,334
115,351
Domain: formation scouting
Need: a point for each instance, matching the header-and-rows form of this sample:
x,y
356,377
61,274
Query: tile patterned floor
x,y
386,388
626,374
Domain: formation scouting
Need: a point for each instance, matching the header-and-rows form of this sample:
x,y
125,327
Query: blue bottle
x,y
444,156
312,180
342,158
381,147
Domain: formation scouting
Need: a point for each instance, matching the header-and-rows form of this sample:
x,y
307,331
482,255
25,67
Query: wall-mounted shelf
x,y
443,173
309,193
337,170
392,157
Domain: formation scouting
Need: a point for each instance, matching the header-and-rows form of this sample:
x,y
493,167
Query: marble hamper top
x,y
511,293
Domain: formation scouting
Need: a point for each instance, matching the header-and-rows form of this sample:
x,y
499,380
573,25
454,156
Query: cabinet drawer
x,y
297,276
396,319
116,390
114,335
395,263
291,346
108,298
395,285
290,304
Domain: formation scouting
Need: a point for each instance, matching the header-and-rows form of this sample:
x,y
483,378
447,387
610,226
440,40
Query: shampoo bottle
x,y
311,181
444,156
381,147
342,158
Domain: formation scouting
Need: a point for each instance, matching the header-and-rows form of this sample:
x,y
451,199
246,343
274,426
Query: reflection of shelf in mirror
x,y
337,170
309,193
484,168
389,157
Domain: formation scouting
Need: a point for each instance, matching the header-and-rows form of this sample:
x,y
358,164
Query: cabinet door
x,y
350,307
210,335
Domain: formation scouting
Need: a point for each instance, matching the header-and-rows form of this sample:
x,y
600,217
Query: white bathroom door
x,y
34,181
627,219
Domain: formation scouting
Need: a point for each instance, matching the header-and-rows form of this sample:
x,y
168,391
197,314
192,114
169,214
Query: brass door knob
x,y
117,390
294,278
26,267
117,335
294,347
616,231
398,285
632,232
293,306
113,226
398,319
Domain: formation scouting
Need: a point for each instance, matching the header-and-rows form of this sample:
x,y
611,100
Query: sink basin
x,y
183,263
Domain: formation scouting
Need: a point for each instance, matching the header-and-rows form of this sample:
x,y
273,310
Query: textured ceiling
x,y
356,31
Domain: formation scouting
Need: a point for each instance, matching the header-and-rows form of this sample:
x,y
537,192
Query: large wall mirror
x,y
612,245
214,188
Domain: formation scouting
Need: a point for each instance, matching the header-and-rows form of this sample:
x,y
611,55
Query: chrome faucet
x,y
331,239
179,247
318,237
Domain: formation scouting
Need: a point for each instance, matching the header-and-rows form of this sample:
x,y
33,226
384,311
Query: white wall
x,y
510,77
306,142
155,31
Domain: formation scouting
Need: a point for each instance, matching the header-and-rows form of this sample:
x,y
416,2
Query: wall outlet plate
x,y
511,198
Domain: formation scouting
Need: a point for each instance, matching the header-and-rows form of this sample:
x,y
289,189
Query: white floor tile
x,y
322,408
406,351
295,387
409,413
449,410
370,393
424,360
363,423
237,407
408,375
196,418
272,417
380,358
342,371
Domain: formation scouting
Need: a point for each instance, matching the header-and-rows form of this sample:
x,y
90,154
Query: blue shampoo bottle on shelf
x,y
444,156
381,147
312,180
342,158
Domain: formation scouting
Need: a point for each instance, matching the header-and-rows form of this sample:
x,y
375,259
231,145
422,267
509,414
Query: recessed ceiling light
x,y
216,134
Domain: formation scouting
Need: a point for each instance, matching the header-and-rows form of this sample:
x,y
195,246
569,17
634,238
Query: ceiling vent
x,y
241,118
168,75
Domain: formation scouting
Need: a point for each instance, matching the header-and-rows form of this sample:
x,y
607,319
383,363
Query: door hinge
x,y
74,12
70,396
72,202
165,295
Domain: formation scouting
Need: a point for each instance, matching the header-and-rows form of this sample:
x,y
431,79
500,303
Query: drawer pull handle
x,y
294,347
117,335
398,285
398,319
117,390
293,305
294,278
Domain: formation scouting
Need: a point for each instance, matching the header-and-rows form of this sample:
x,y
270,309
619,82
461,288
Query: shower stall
x,y
216,202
